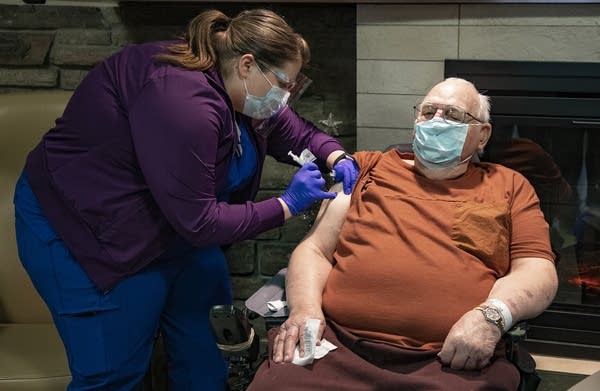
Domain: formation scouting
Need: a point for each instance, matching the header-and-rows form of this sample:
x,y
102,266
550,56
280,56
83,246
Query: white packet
x,y
305,157
311,350
311,329
276,305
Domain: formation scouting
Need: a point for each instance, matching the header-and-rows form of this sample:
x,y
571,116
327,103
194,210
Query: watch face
x,y
492,314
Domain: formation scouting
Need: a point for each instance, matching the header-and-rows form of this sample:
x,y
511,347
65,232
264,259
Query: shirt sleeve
x,y
293,133
530,236
177,124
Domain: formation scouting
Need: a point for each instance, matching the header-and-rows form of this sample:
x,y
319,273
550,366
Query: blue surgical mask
x,y
263,107
438,143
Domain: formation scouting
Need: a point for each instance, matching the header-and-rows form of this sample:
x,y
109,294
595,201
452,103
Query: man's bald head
x,y
460,93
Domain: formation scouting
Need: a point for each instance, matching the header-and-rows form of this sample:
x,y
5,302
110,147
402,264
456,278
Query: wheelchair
x,y
240,344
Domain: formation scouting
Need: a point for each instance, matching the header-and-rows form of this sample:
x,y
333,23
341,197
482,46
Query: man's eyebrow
x,y
442,104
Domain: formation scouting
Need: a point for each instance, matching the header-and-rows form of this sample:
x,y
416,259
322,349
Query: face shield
x,y
264,127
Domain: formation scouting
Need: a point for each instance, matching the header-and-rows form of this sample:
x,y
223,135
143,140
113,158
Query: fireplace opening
x,y
546,125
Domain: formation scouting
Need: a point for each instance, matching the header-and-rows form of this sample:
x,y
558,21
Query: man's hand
x,y
290,333
470,343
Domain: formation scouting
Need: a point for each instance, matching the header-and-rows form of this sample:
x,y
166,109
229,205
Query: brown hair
x,y
213,38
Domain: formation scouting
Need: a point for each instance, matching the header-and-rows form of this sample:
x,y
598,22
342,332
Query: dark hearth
x,y
546,125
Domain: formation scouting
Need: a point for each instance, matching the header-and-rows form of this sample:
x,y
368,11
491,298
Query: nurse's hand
x,y
347,171
305,188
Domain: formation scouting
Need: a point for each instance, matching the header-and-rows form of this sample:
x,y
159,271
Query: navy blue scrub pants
x,y
109,336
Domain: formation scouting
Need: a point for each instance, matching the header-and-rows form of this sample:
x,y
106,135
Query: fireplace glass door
x,y
561,159
546,125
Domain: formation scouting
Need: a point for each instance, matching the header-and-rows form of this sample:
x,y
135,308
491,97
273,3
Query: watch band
x,y
342,157
503,308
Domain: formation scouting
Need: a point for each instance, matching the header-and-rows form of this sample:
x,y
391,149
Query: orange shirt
x,y
415,254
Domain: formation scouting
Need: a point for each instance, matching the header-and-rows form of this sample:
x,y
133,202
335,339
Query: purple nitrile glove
x,y
346,170
305,188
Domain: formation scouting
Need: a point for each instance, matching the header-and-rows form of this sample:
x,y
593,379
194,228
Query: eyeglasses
x,y
282,79
296,87
449,113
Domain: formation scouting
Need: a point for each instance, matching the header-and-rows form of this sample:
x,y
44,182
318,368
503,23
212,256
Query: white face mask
x,y
439,143
263,107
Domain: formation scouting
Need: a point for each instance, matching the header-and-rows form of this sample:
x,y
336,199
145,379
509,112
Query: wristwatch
x,y
342,157
492,315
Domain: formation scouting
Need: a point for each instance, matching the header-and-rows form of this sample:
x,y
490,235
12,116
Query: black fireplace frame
x,y
565,94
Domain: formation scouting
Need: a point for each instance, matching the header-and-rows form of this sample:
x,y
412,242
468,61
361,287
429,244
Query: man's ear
x,y
245,64
484,136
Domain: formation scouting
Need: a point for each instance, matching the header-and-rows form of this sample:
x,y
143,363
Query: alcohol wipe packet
x,y
305,157
312,351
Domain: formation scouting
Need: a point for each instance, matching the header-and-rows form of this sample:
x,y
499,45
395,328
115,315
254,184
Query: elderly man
x,y
417,274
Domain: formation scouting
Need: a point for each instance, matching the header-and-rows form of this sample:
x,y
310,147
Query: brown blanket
x,y
359,364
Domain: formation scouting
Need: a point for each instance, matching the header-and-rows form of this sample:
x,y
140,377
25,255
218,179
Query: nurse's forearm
x,y
332,156
286,210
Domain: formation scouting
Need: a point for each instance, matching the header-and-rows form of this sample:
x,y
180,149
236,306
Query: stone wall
x,y
53,47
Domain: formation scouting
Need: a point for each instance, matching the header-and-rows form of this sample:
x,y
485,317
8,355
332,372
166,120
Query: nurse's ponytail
x,y
213,38
198,49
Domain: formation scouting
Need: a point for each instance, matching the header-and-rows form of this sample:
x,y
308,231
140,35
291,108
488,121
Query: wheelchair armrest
x,y
273,290
518,332
513,339
520,357
514,336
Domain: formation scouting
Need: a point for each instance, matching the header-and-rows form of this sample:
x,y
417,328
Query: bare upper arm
x,y
324,233
532,273
528,263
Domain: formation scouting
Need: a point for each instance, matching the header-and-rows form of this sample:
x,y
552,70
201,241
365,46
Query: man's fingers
x,y
301,349
321,331
278,345
483,363
289,343
468,359
446,353
471,364
459,357
459,360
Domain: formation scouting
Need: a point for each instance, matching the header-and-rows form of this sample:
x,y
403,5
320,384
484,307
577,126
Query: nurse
x,y
123,206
